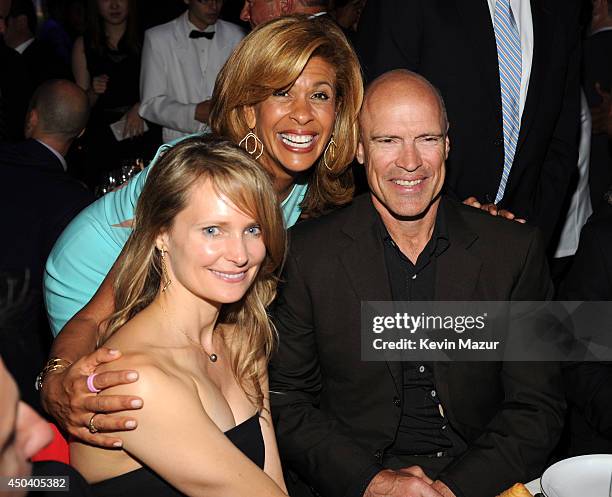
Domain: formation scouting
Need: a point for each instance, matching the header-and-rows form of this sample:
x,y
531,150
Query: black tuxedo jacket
x,y
452,44
41,198
335,414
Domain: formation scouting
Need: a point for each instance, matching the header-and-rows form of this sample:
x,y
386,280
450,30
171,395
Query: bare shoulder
x,y
154,377
139,352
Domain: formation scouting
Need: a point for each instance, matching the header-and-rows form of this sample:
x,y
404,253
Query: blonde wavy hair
x,y
271,58
166,192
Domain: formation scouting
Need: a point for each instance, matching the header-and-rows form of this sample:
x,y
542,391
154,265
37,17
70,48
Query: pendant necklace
x,y
213,357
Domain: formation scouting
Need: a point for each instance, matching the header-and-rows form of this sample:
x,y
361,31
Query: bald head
x,y
397,83
256,12
58,108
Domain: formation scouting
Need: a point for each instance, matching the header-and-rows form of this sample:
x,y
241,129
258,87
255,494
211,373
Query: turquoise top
x,y
86,250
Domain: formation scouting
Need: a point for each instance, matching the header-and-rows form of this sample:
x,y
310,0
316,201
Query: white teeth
x,y
229,276
298,141
403,182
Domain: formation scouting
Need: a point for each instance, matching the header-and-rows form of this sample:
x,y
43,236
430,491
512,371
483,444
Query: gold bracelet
x,y
53,365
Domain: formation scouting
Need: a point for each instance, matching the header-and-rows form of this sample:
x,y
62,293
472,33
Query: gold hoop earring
x,y
331,150
165,279
257,144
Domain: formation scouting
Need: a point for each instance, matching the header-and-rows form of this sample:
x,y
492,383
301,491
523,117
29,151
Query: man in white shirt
x,y
180,62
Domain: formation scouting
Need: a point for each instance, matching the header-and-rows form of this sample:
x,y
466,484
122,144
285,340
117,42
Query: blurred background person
x,y
40,60
14,87
180,62
347,14
257,11
41,199
106,64
64,21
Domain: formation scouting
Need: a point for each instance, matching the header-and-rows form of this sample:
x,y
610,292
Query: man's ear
x,y
360,156
249,116
31,122
446,147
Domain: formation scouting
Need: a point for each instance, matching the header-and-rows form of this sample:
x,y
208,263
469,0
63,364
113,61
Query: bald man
x,y
257,11
41,199
347,427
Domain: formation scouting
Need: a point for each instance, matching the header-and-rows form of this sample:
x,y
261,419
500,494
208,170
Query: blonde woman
x,y
191,292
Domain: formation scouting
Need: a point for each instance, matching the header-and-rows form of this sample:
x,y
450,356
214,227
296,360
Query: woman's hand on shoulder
x,y
67,397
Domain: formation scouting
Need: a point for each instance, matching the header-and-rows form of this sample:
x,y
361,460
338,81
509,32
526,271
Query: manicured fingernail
x,y
113,351
118,444
136,403
130,424
132,376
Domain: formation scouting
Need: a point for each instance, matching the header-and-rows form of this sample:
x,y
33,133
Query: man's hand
x,y
203,111
66,397
99,84
406,482
492,209
602,114
443,489
134,124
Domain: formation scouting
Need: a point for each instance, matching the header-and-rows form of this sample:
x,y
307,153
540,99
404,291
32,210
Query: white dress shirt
x,y
580,206
524,23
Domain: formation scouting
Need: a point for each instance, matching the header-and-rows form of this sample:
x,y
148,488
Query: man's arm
x,y
518,440
158,105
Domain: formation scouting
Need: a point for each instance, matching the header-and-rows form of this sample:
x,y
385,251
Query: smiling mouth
x,y
229,276
297,141
405,182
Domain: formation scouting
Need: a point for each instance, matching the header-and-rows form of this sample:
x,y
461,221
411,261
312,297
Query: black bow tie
x,y
201,34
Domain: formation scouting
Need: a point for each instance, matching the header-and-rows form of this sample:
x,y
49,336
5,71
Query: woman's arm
x,y
93,88
65,394
272,465
178,440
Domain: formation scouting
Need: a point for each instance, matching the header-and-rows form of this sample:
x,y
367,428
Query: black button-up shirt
x,y
423,428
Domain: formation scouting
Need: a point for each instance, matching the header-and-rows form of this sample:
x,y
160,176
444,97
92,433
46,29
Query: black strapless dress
x,y
246,436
